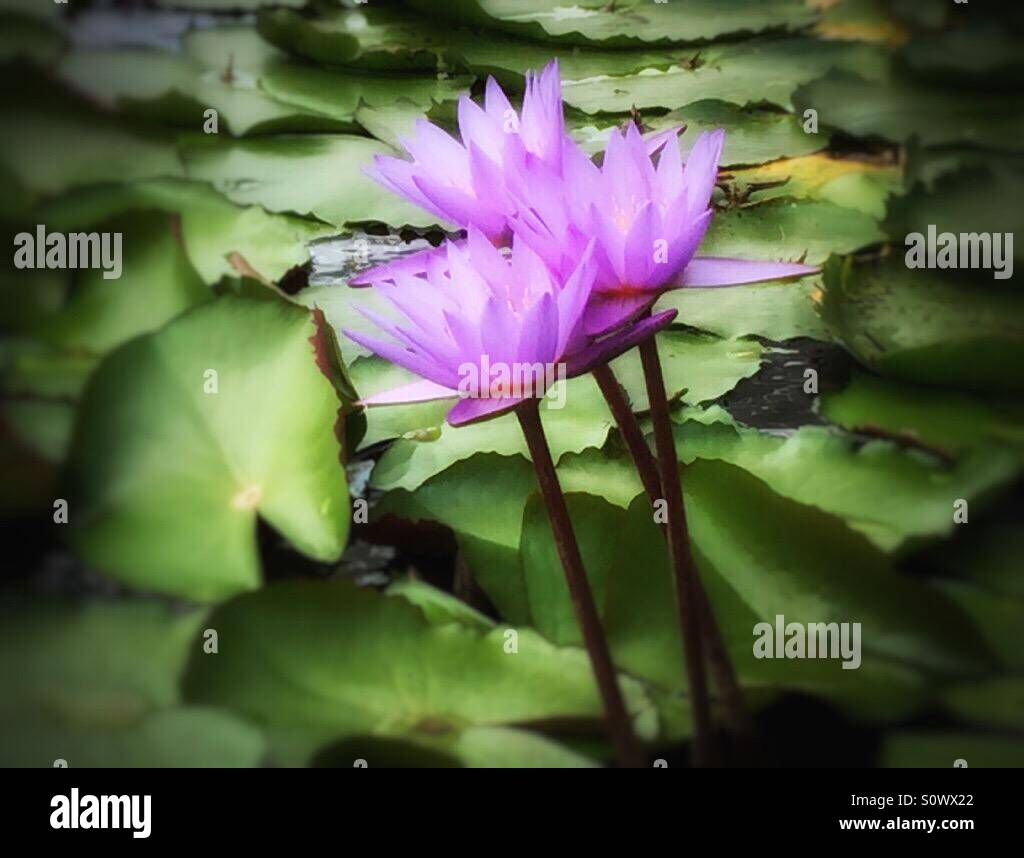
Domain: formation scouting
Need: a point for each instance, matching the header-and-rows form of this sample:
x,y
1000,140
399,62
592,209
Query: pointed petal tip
x,y
476,410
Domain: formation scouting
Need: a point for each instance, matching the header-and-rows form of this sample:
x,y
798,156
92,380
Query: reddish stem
x,y
679,554
736,713
627,749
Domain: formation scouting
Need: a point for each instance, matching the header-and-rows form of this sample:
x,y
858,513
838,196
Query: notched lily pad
x,y
203,444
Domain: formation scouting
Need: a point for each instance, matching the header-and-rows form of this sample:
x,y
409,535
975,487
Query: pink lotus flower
x,y
468,183
648,222
504,315
524,175
484,180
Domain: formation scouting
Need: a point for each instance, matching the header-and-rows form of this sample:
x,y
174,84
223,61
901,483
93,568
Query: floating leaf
x,y
26,37
700,367
96,685
996,703
370,37
941,750
383,669
969,201
254,87
788,230
742,74
176,458
36,149
626,24
752,136
775,311
575,417
888,493
316,175
860,185
950,422
919,326
157,283
899,110
211,226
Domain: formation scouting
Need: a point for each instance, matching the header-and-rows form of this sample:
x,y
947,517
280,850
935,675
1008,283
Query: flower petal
x,y
409,265
709,271
423,390
701,171
608,311
473,410
611,347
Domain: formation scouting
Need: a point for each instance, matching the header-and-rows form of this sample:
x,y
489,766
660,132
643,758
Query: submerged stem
x,y
739,722
627,749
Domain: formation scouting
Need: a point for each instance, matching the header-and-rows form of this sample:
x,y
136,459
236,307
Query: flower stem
x,y
740,724
627,749
679,554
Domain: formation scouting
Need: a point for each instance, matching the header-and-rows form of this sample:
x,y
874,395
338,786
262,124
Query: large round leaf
x,y
167,476
317,662
96,685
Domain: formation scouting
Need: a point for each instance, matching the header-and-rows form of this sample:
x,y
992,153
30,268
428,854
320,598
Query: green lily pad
x,y
627,563
316,175
582,420
36,151
989,555
370,37
997,617
27,37
626,24
642,624
975,199
747,73
752,136
981,51
223,5
941,750
697,366
889,493
157,283
212,227
96,685
175,458
790,230
508,60
254,87
950,422
860,185
900,110
488,534
920,326
995,703
383,669
775,311
41,386
901,617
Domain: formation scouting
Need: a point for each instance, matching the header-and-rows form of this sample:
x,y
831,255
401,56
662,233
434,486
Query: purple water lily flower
x,y
483,180
492,328
467,182
648,222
